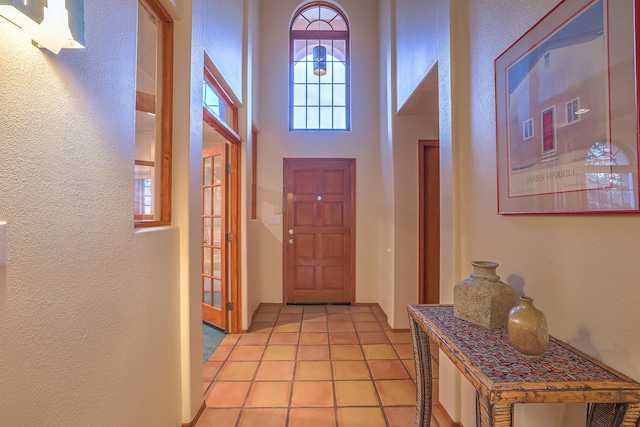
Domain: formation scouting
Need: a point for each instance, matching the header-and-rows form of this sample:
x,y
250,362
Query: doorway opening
x,y
429,221
221,171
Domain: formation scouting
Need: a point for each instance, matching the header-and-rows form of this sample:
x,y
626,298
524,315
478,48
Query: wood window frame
x,y
320,35
147,103
228,130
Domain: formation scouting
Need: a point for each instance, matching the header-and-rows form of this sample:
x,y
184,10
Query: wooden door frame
x,y
422,144
285,234
235,253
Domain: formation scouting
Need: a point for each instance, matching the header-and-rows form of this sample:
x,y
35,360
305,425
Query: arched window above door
x,y
319,69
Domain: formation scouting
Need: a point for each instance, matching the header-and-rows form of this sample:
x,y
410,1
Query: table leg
x,y
422,359
631,416
613,415
488,415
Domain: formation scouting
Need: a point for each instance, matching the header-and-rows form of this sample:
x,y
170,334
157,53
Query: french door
x,y
214,232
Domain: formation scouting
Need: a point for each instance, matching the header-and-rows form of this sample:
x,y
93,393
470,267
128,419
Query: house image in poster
x,y
557,107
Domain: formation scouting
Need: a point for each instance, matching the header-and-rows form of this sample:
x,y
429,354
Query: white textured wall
x,y
223,40
187,196
407,131
277,142
408,52
581,269
89,308
384,261
416,24
251,290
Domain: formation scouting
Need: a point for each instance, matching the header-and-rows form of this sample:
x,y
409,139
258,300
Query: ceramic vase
x,y
482,298
527,329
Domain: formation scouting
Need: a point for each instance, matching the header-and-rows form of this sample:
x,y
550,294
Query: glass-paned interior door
x,y
214,257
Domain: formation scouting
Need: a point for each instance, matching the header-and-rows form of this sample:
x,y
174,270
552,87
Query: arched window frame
x,y
328,38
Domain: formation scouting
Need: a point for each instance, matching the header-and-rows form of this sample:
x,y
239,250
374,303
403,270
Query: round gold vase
x,y
527,329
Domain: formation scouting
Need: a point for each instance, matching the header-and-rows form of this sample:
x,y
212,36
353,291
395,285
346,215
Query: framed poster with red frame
x,y
567,112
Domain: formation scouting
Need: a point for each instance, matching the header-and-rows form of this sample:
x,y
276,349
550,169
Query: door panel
x,y
318,230
214,248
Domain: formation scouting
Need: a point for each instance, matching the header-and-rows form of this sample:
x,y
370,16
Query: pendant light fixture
x,y
319,60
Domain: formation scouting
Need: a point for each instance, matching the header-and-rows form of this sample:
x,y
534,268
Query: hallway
x,y
312,366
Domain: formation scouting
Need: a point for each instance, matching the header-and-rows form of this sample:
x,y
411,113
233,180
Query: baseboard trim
x,y
265,304
442,416
378,311
197,417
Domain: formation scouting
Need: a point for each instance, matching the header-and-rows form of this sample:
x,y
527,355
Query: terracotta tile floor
x,y
312,366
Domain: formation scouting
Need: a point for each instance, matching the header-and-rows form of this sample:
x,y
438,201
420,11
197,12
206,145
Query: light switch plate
x,y
3,243
274,220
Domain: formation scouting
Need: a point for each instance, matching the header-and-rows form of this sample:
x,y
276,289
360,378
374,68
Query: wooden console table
x,y
502,377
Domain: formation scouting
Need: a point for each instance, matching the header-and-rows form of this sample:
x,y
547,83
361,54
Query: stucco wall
x,y
277,142
415,55
89,308
580,269
223,40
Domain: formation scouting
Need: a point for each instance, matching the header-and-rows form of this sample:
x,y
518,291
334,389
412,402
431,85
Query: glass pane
x,y
217,231
216,200
339,24
328,78
313,118
148,35
217,170
322,26
339,118
206,231
312,14
217,296
206,290
300,24
299,94
339,50
299,49
299,117
206,201
327,14
300,72
339,72
148,119
326,119
339,96
313,94
143,193
211,100
311,78
326,95
216,262
328,44
206,260
207,171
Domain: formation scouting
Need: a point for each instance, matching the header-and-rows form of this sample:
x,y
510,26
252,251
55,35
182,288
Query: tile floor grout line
x,y
331,347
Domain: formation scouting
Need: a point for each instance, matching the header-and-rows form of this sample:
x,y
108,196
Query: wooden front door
x,y
214,231
319,222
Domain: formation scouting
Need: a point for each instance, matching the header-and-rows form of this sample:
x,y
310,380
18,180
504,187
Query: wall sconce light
x,y
319,60
52,24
